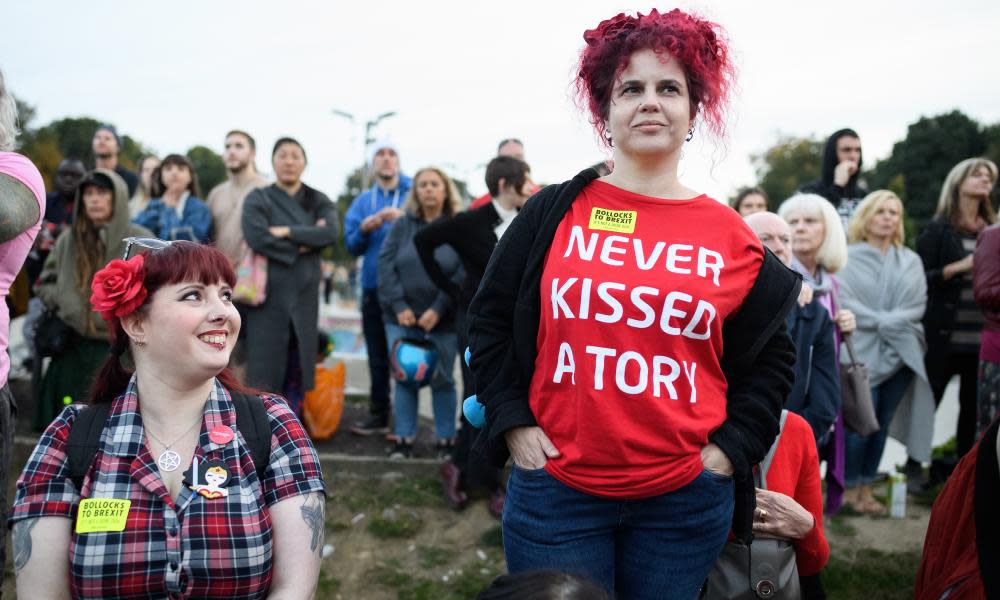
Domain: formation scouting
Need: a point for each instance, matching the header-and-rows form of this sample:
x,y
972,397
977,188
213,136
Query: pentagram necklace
x,y
168,460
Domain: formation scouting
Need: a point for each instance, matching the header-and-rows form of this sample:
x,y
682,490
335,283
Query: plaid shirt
x,y
193,547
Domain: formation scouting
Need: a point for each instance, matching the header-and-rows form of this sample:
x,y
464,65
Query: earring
x,y
607,136
140,343
690,135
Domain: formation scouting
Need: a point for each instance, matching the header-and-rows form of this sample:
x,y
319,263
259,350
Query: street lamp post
x,y
367,140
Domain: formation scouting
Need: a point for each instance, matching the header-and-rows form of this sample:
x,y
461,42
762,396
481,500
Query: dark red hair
x,y
699,45
179,262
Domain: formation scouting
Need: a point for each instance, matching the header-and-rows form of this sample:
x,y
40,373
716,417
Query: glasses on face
x,y
140,245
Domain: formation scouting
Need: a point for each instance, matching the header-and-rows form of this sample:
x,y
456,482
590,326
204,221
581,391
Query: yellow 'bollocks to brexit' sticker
x,y
621,221
102,514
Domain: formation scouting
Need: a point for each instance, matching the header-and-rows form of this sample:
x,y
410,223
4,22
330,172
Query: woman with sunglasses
x,y
289,223
172,502
101,219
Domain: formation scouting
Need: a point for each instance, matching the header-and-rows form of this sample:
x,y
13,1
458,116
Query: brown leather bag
x,y
856,392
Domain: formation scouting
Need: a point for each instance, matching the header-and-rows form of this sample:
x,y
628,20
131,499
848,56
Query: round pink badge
x,y
221,434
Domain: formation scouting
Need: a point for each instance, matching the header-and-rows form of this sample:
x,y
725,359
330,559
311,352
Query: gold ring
x,y
762,513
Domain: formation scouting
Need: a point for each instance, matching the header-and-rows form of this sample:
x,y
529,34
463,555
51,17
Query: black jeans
x,y
378,353
8,410
966,366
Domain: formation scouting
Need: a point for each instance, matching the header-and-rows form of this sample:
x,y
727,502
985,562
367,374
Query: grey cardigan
x,y
402,281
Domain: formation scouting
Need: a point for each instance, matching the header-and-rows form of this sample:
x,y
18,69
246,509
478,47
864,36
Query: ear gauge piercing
x,y
690,135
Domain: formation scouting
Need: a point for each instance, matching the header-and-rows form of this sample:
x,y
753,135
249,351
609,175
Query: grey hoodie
x,y
57,284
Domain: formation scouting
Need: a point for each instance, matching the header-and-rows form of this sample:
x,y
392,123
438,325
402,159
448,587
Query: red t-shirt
x,y
634,293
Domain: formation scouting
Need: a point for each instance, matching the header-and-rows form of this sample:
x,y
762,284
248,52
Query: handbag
x,y
52,335
251,278
856,391
764,569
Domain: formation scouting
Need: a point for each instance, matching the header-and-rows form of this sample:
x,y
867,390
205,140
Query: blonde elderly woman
x,y
953,321
819,249
884,285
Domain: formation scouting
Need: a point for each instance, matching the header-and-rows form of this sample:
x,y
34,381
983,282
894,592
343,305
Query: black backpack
x,y
85,435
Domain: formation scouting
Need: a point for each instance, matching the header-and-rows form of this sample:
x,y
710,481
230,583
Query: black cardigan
x,y
503,331
472,237
939,244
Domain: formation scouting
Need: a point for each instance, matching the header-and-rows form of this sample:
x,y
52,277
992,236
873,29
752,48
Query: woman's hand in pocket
x,y
716,461
530,447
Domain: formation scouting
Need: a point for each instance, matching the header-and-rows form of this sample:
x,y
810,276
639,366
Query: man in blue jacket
x,y
365,227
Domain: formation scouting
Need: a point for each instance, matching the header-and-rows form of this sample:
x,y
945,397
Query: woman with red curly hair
x,y
598,331
172,499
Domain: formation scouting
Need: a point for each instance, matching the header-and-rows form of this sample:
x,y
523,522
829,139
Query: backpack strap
x,y
766,463
84,440
251,420
85,435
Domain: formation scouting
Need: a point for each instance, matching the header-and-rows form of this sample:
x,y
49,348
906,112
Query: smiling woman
x,y
172,468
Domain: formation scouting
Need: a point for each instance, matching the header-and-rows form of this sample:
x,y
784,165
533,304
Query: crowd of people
x,y
665,391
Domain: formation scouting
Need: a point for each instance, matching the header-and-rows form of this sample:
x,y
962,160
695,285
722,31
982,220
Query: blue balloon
x,y
468,356
474,411
413,362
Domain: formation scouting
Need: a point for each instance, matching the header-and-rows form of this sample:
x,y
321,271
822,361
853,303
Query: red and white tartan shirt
x,y
195,547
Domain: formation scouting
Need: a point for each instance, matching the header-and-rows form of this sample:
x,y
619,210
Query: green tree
x,y
991,137
209,167
787,165
352,187
921,161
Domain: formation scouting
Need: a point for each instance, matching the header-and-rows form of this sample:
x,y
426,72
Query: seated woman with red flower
x,y
100,220
173,502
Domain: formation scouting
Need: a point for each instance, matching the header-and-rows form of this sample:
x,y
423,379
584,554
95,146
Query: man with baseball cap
x,y
365,226
106,145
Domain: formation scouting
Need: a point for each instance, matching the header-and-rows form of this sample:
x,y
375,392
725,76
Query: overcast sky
x,y
463,75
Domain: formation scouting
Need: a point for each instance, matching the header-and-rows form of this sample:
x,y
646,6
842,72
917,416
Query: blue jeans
x,y
862,454
660,547
442,384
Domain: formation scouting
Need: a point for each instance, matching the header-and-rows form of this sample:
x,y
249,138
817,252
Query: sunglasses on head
x,y
140,245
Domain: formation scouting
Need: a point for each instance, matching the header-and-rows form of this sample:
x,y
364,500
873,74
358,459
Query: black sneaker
x,y
402,450
373,425
445,448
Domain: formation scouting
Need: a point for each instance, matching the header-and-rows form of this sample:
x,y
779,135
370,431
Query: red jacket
x,y
962,546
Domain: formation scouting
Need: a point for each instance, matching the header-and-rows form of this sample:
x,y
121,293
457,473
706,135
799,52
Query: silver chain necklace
x,y
168,460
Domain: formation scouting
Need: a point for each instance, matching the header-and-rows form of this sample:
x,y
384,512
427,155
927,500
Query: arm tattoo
x,y
313,513
20,208
22,543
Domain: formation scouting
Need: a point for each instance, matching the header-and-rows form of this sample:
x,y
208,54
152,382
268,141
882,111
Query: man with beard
x,y
226,199
365,226
106,145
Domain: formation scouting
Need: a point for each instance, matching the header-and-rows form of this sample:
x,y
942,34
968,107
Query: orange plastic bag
x,y
324,404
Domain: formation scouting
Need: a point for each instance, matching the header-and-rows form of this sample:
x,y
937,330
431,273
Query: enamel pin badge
x,y
209,478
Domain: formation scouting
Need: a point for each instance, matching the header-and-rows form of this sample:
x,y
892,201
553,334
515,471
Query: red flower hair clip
x,y
118,288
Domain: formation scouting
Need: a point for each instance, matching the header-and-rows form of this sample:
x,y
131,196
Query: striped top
x,y
967,335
